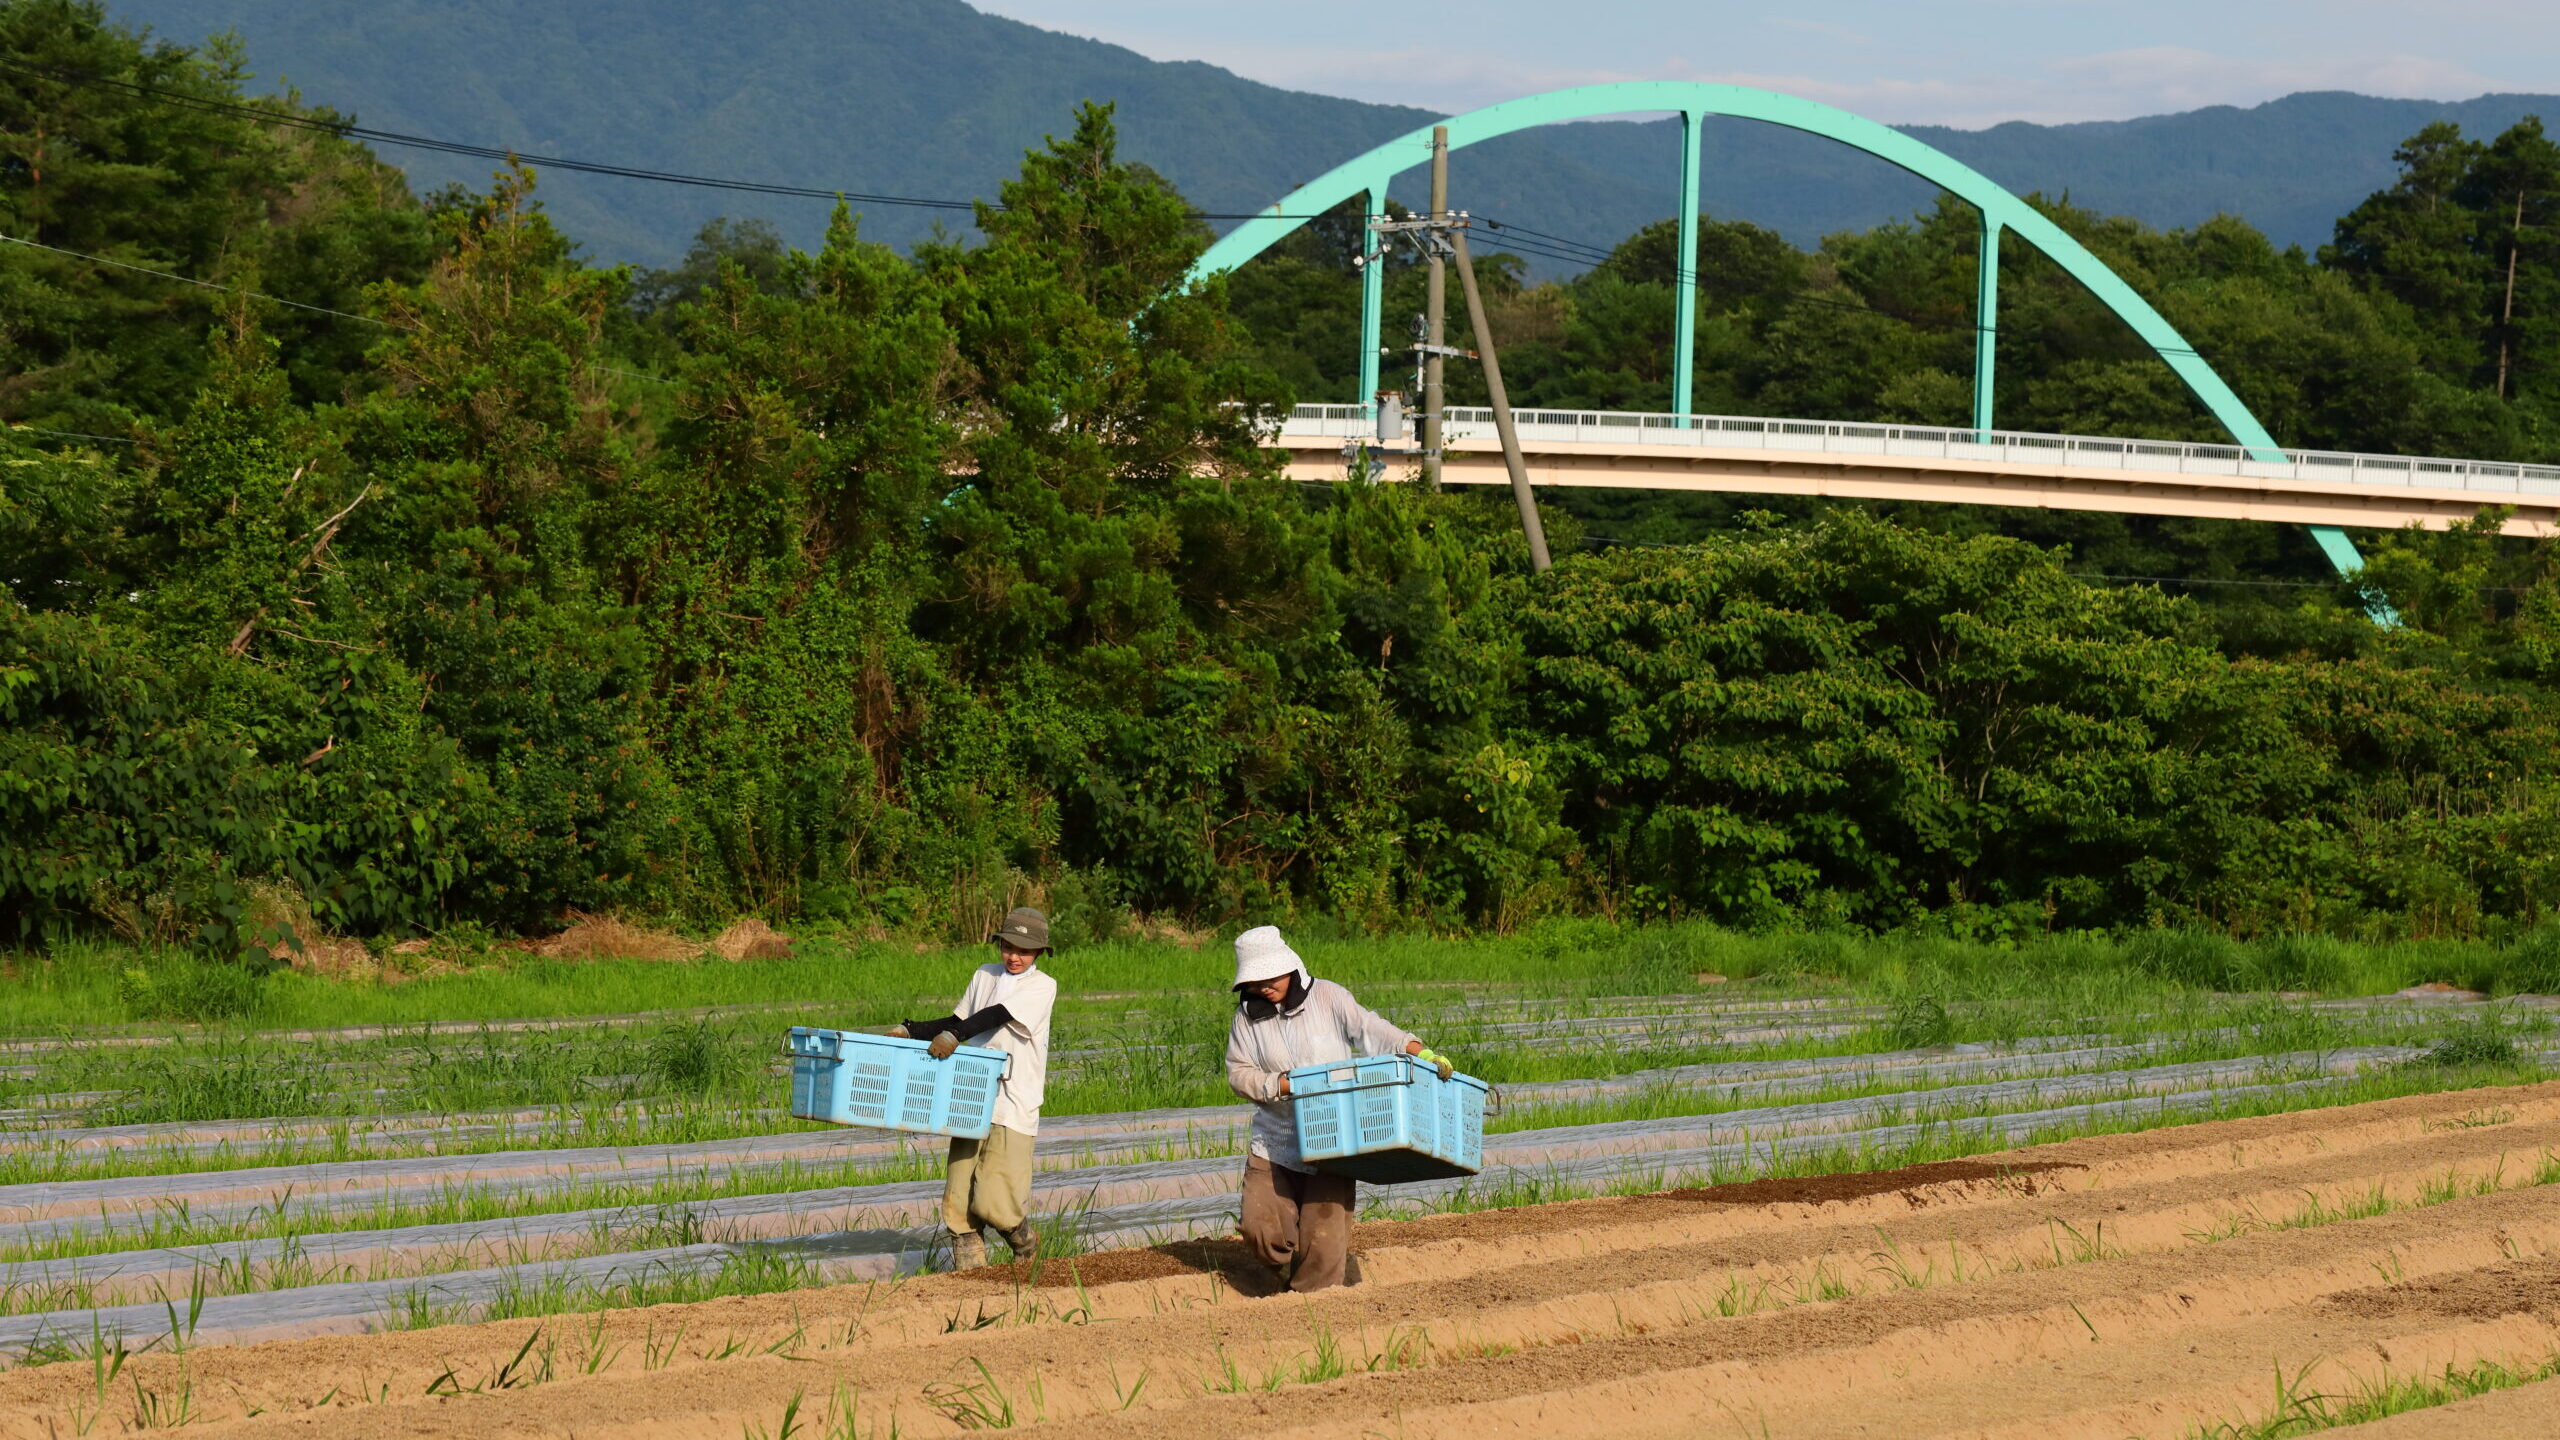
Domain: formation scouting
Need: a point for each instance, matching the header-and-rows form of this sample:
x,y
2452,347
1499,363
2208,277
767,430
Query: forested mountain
x,y
931,98
386,557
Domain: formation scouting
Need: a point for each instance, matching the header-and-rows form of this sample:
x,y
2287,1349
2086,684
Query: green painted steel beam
x,y
2001,210
1373,292
1684,313
1986,326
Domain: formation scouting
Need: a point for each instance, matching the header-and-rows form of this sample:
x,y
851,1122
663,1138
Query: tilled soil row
x,y
2139,1284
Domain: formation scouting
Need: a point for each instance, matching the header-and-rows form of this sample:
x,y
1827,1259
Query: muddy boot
x,y
1024,1240
968,1252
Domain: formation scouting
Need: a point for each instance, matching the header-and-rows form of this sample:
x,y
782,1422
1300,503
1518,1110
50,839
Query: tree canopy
x,y
885,589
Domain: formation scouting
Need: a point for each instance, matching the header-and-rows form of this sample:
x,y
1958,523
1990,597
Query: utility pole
x,y
1520,491
1443,235
2507,317
1435,315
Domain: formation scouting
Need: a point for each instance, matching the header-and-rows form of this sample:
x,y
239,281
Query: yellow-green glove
x,y
1437,1062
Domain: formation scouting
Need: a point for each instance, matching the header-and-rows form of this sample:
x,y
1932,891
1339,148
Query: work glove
x,y
943,1044
1438,1062
899,1032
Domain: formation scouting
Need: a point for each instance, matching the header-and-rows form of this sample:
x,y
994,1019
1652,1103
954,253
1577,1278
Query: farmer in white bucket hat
x,y
1006,1007
1297,1219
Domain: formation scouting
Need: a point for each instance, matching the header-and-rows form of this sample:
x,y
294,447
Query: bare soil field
x,y
2162,1284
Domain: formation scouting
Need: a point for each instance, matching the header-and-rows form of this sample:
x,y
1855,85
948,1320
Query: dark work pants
x,y
1289,1214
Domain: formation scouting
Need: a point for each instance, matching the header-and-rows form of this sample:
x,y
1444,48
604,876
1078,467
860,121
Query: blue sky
x,y
1954,62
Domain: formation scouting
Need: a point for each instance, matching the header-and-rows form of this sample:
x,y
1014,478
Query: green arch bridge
x,y
2253,478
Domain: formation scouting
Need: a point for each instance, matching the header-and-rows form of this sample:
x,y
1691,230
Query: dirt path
x,y
2122,1285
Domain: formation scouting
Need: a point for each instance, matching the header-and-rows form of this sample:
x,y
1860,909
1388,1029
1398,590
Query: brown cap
x,y
1024,929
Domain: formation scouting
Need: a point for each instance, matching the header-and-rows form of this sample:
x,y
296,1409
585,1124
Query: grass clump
x,y
171,985
2303,1412
1921,1022
2485,1042
695,1057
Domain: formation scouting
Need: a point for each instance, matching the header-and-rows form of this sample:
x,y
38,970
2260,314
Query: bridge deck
x,y
1746,455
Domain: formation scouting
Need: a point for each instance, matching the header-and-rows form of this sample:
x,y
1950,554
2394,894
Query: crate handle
x,y
815,1046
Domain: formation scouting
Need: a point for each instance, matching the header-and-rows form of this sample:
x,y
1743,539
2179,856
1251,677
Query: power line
x,y
1544,252
73,434
1507,228
201,284
1583,253
509,155
275,299
1631,541
2189,580
503,154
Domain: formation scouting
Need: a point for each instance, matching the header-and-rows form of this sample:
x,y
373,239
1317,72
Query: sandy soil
x,y
2126,1285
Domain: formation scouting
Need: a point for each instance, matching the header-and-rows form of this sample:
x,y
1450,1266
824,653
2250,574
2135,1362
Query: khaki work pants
x,y
989,1183
1290,1215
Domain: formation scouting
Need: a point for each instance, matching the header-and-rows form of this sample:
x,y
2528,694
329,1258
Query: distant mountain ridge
x,y
932,98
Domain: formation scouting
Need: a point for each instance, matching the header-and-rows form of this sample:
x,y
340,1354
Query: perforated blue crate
x,y
1387,1119
848,1078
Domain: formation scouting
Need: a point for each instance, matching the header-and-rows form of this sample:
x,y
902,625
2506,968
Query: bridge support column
x,y
1373,297
2341,551
1684,311
1986,322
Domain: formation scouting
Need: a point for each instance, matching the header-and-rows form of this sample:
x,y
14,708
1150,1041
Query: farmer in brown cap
x,y
1006,1007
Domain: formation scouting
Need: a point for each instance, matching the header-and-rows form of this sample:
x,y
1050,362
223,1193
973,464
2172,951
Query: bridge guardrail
x,y
1352,422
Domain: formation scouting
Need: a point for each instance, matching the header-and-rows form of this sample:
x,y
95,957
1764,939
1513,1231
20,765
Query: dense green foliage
x,y
884,590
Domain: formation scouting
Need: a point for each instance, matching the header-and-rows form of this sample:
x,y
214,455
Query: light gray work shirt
x,y
1328,1026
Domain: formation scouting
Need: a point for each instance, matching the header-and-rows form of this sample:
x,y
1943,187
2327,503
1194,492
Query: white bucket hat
x,y
1262,955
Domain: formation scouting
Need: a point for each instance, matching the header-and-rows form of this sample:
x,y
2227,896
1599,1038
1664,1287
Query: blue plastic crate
x,y
848,1078
1387,1119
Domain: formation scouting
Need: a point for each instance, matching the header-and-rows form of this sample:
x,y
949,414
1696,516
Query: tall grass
x,y
590,1083
844,981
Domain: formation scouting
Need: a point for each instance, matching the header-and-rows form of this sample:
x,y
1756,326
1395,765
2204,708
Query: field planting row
x,y
386,1241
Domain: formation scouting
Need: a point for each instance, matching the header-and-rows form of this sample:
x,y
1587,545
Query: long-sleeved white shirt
x,y
1028,998
1326,1027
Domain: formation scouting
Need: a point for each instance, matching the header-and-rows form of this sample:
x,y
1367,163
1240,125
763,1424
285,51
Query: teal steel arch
x,y
1369,175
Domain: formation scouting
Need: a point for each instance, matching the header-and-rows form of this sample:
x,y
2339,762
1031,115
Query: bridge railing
x,y
1960,443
